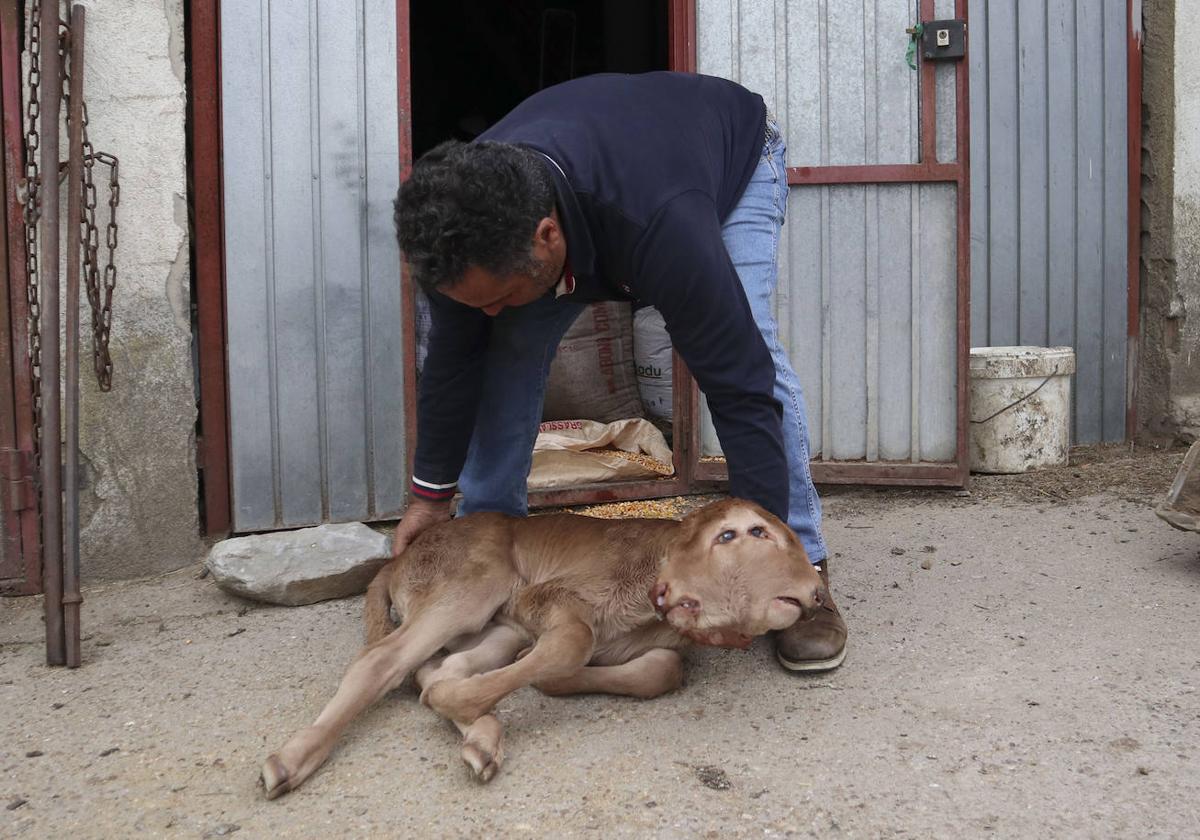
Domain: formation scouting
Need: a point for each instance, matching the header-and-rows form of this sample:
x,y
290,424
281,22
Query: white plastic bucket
x,y
1020,407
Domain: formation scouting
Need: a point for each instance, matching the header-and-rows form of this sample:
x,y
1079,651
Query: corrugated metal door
x,y
315,357
1049,207
868,300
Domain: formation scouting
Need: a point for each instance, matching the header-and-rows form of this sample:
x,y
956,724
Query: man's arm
x,y
447,403
682,267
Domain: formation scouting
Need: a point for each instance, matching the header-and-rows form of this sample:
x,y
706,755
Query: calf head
x,y
734,572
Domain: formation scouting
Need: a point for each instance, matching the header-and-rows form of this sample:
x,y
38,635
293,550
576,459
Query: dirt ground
x,y
1023,662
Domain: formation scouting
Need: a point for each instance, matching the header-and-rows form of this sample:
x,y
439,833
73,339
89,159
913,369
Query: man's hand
x,y
421,514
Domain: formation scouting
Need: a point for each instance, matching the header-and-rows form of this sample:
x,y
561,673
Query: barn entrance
x,y
474,60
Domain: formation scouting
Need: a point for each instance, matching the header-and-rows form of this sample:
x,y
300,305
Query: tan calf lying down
x,y
568,604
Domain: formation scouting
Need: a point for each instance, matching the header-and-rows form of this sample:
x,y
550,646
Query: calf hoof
x,y
275,779
482,748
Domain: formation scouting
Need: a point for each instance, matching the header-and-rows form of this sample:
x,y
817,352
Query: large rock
x,y
300,567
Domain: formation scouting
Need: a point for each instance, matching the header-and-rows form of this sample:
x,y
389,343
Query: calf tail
x,y
377,607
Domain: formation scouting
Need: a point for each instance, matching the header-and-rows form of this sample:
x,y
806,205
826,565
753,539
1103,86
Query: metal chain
x,y
31,214
99,292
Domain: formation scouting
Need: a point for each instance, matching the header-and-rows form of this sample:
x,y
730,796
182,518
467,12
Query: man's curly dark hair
x,y
471,204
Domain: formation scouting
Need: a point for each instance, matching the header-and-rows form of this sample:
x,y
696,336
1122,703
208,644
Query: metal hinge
x,y
17,476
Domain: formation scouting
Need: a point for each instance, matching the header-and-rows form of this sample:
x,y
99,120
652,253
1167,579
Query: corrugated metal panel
x,y
1049,208
856,262
312,266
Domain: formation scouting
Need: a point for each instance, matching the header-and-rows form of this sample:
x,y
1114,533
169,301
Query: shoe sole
x,y
813,665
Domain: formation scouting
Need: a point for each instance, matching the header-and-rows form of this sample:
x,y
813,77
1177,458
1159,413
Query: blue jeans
x,y
524,340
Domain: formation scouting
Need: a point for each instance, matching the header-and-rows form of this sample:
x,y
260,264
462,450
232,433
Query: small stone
x,y
236,632
223,830
33,753
928,549
1143,771
926,564
15,803
713,778
302,566
897,550
109,751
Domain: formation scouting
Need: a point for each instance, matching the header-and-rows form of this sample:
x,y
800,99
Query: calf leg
x,y
495,647
564,645
653,673
378,669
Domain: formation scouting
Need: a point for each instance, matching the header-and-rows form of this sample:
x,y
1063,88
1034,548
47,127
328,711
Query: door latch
x,y
944,40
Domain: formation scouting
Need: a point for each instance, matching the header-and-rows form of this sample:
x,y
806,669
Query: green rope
x,y
910,55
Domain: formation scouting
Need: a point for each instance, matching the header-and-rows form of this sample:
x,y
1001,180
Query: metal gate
x,y
873,289
313,313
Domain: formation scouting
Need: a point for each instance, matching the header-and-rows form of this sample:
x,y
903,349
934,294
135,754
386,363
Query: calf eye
x,y
758,531
726,536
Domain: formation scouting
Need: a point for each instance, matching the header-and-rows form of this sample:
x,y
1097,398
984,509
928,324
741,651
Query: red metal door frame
x,y
208,226
18,497
930,170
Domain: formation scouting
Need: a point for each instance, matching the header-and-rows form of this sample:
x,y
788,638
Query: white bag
x,y
571,452
652,357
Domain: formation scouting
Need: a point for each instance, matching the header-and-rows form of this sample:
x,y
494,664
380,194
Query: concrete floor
x,y
1038,679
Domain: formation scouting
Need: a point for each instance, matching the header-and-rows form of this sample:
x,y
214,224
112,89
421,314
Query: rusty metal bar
x,y
859,472
27,527
207,212
51,390
928,95
12,569
883,173
408,291
71,597
681,36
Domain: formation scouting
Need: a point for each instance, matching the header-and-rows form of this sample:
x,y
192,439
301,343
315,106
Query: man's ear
x,y
548,232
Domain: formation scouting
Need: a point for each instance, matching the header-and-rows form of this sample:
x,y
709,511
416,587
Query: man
x,y
666,188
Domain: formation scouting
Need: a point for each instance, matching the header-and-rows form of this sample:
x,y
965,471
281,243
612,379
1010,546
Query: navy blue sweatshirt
x,y
651,165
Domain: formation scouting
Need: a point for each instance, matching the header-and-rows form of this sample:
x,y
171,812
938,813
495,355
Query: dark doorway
x,y
474,60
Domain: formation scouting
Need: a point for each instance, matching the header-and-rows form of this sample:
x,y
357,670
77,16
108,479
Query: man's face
x,y
491,292
481,289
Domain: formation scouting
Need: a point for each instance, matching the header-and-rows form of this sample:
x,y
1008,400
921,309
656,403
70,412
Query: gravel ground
x,y
1023,663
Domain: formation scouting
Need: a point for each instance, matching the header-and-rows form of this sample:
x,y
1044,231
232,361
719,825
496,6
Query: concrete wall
x,y
1169,370
139,499
1185,368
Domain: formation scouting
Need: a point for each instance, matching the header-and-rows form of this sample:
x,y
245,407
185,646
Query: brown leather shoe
x,y
817,643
